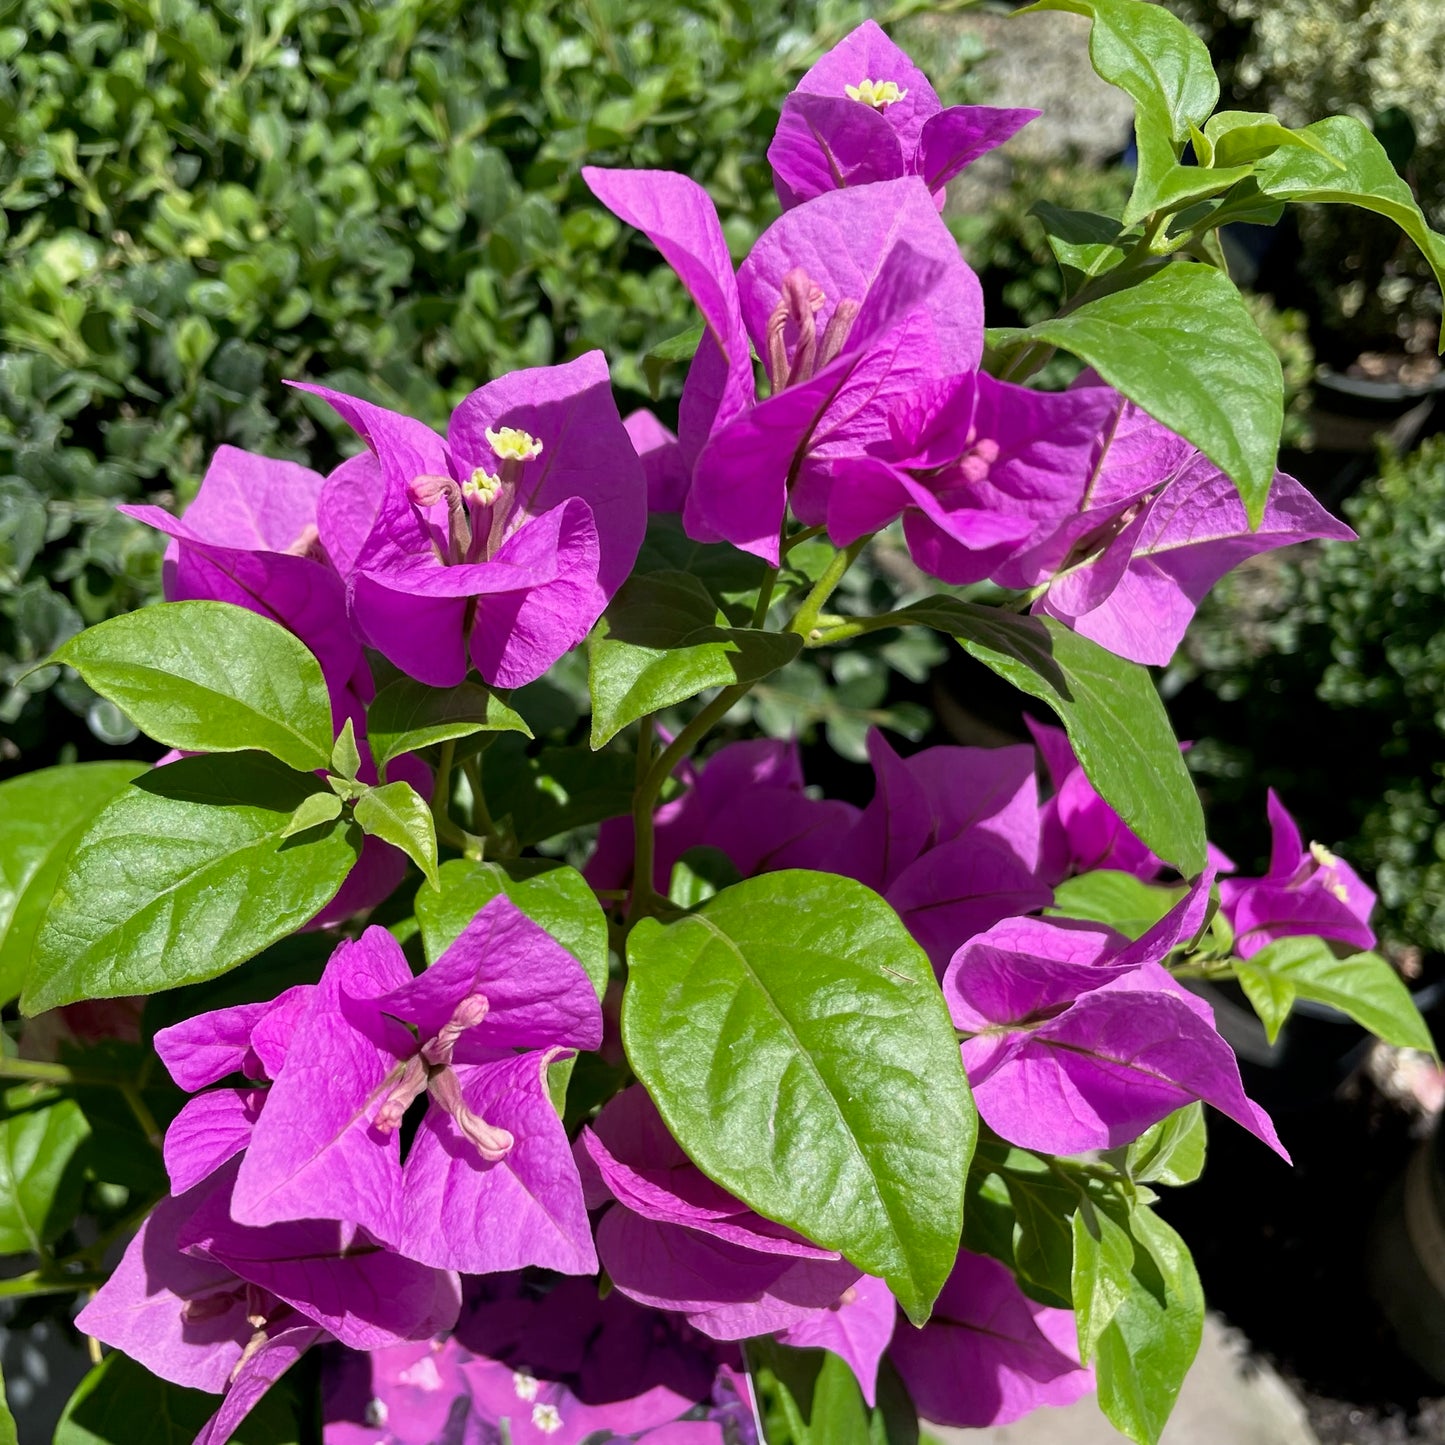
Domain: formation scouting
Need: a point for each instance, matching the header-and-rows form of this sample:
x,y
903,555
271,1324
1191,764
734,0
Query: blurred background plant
x,y
199,200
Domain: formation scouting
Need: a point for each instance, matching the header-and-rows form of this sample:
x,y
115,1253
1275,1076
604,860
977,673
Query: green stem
x,y
143,1116
481,816
765,598
38,1282
447,831
40,1072
643,834
805,619
806,535
644,799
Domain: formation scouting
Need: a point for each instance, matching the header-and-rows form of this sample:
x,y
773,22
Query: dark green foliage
x,y
1328,680
201,200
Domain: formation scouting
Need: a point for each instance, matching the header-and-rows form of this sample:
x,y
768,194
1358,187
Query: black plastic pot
x,y
1405,1256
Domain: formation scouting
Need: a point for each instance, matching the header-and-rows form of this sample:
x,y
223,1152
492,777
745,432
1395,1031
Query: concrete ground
x,y
1227,1399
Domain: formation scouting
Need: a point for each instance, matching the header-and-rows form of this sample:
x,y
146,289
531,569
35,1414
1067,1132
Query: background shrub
x,y
198,200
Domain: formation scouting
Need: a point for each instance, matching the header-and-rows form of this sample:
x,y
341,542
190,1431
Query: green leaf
x,y
39,1182
209,677
1157,60
41,816
185,875
663,641
118,1394
798,1046
1182,344
1042,1202
1085,243
817,1395
1346,165
345,756
407,716
1364,986
698,874
665,354
731,576
1140,1315
1239,137
1109,708
313,810
555,790
1172,1151
1118,899
8,1434
397,814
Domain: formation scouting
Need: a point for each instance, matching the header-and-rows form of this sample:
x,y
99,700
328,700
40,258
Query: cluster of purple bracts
x,y
375,1160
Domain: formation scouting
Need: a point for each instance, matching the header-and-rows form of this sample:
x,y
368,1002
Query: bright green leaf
x,y
41,816
397,814
1346,165
1120,900
669,353
1364,986
553,896
407,716
663,641
210,677
1155,1315
1103,1261
1165,68
1239,137
39,1183
111,1402
1085,243
1108,706
1172,1151
345,756
1182,344
183,876
313,810
797,1044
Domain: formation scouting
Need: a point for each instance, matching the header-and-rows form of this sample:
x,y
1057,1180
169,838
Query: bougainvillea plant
x,y
780,1119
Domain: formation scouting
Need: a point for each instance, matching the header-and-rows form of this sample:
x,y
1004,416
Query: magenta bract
x,y
488,1182
865,113
502,543
989,1354
1306,891
1081,1040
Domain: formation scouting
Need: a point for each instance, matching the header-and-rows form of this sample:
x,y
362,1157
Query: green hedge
x,y
198,200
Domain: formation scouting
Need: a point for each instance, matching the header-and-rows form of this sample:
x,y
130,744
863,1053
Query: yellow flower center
x,y
511,444
877,93
1322,855
483,485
